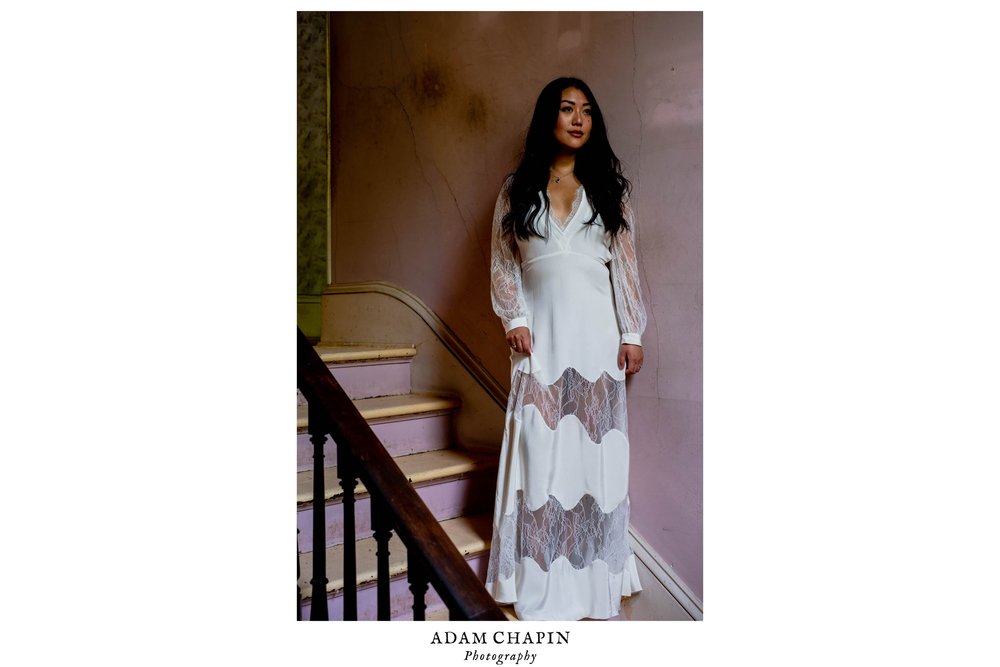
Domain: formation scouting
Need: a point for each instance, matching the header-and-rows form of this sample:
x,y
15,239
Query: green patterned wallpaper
x,y
312,168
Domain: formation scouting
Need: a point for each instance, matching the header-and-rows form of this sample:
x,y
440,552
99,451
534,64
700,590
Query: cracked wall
x,y
429,111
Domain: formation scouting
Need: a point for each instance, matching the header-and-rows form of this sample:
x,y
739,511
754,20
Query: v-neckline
x,y
562,225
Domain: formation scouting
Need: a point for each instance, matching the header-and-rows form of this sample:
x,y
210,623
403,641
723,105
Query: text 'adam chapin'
x,y
501,637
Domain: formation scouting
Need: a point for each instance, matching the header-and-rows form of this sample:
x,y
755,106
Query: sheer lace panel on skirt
x,y
582,534
600,406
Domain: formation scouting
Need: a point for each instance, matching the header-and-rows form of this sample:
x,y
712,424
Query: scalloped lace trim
x,y
600,406
577,199
582,535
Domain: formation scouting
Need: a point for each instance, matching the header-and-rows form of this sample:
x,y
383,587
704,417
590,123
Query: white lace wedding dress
x,y
560,527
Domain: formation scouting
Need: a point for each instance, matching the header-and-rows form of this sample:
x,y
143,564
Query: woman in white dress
x,y
565,284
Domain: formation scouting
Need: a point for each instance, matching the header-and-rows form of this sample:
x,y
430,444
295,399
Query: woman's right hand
x,y
519,340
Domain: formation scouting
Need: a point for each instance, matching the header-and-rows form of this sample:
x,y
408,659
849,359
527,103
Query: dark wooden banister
x,y
425,540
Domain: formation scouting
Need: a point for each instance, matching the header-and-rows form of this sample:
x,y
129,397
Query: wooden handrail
x,y
449,574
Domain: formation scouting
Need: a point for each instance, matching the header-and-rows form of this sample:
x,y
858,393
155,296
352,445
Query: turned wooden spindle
x,y
382,527
348,482
317,436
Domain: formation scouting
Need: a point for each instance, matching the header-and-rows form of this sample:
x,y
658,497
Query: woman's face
x,y
574,122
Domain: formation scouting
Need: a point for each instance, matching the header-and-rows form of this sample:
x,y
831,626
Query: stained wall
x,y
428,115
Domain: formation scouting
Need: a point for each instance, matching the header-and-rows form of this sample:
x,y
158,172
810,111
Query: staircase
x,y
416,428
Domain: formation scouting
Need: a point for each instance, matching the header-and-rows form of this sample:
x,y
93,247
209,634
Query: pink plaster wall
x,y
429,111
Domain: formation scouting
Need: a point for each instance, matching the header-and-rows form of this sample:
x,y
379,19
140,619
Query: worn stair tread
x,y
442,613
334,353
420,468
383,407
470,534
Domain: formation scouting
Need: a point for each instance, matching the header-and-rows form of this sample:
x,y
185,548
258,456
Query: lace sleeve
x,y
505,274
625,283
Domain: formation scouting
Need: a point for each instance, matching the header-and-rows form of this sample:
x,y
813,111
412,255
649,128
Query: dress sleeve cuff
x,y
514,323
631,339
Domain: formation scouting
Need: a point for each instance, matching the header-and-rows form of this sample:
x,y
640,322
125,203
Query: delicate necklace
x,y
559,177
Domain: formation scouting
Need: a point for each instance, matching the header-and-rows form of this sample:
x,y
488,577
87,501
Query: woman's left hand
x,y
630,358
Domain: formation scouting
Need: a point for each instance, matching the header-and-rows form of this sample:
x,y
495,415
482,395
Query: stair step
x,y
442,614
419,468
451,482
335,353
387,407
404,424
470,534
367,371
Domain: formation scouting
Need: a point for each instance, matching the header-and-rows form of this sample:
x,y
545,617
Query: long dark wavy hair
x,y
597,167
